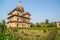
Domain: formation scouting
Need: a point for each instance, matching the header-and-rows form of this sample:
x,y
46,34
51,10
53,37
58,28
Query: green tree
x,y
32,25
38,25
3,26
51,25
2,29
46,21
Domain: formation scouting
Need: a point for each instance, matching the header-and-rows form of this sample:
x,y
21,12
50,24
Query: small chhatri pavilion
x,y
18,17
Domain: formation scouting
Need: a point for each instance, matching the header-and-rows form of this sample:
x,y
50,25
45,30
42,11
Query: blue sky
x,y
39,9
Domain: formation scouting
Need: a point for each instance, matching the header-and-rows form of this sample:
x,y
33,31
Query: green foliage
x,y
38,25
2,36
51,25
33,33
46,21
32,25
2,29
2,25
44,31
58,34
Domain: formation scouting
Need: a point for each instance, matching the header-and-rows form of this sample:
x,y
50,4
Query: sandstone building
x,y
58,24
18,17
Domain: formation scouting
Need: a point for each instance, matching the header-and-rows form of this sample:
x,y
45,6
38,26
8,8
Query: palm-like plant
x,y
2,25
2,29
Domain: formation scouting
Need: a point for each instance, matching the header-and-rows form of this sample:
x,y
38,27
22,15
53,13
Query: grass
x,y
31,33
58,34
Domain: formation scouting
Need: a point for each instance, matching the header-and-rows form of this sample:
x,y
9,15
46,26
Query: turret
x,y
20,7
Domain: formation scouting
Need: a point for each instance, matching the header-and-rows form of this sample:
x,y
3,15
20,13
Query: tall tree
x,y
46,21
2,25
2,29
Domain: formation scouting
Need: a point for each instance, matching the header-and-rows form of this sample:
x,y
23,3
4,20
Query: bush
x,y
44,31
51,25
32,25
38,25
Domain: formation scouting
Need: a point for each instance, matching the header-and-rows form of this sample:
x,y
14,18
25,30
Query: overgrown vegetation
x,y
2,29
44,24
35,32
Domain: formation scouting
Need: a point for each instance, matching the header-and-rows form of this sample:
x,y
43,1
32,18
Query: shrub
x,y
38,25
44,31
22,31
51,25
32,25
25,34
37,35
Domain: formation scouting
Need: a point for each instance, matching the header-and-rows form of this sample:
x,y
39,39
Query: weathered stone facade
x,y
58,24
18,18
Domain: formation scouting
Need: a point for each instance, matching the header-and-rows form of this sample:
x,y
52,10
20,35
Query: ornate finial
x,y
19,5
19,1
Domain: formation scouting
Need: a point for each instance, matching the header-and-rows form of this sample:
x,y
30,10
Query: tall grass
x,y
30,33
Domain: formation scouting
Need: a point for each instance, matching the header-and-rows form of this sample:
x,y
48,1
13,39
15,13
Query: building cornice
x,y
18,16
18,22
15,10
